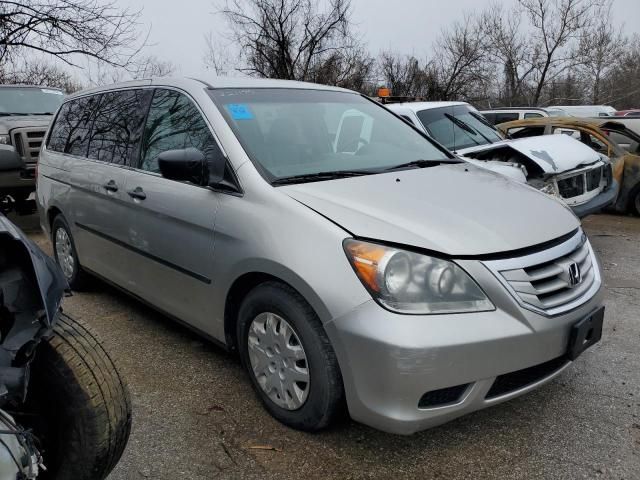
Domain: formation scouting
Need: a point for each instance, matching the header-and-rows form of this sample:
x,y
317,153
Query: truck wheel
x,y
64,250
81,404
289,358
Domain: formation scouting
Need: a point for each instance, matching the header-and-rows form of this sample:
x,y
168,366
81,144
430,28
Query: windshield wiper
x,y
420,164
40,113
467,128
320,176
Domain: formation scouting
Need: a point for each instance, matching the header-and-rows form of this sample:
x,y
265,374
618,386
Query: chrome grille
x,y
28,142
584,181
542,281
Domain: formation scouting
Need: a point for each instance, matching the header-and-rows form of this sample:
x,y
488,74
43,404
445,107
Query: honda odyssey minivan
x,y
350,260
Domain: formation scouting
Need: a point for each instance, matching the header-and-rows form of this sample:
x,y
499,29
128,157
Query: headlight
x,y
5,140
549,189
408,282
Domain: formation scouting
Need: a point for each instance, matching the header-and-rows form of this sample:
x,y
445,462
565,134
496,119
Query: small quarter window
x,y
70,133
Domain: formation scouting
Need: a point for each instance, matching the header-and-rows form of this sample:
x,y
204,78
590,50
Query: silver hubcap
x,y
64,253
278,361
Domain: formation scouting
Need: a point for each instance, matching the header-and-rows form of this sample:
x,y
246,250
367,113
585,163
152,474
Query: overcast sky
x,y
409,26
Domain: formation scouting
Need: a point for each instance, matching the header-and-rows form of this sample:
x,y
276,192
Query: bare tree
x,y
405,76
351,68
599,50
67,29
510,50
556,24
291,39
39,72
622,83
460,61
217,57
152,66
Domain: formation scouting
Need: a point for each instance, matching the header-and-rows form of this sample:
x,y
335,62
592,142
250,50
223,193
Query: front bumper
x,y
599,203
389,361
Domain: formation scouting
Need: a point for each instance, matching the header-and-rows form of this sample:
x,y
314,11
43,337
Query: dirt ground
x,y
196,416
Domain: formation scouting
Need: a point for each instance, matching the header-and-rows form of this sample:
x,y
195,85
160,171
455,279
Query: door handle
x,y
111,186
137,193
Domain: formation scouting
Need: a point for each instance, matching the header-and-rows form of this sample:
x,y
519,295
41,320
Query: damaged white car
x,y
557,165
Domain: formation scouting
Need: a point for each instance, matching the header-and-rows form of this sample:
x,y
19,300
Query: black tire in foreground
x,y
82,405
325,400
78,279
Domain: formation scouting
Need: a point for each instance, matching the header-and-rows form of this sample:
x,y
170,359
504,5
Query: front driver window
x,y
174,123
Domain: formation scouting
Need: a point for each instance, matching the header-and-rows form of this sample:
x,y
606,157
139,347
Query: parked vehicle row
x,y
348,257
547,164
508,114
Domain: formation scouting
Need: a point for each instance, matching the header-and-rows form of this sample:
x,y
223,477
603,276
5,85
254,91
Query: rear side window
x,y
505,117
533,115
491,118
70,133
174,123
117,126
526,132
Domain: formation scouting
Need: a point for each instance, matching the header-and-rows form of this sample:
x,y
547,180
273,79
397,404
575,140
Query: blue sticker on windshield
x,y
240,111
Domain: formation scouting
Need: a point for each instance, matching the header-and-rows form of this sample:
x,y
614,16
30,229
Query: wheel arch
x,y
248,280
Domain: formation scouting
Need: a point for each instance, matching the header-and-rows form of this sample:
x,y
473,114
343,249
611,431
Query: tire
x,y
325,395
77,278
634,201
82,405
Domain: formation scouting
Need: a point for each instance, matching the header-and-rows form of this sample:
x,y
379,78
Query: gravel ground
x,y
197,418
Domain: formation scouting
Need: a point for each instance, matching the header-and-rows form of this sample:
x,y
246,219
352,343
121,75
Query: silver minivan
x,y
351,261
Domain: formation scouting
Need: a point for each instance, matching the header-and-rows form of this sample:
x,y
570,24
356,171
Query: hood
x,y
553,153
10,122
455,209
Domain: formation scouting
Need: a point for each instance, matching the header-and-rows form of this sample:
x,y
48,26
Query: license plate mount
x,y
585,333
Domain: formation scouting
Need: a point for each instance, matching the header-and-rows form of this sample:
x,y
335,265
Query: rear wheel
x,y
81,404
289,358
64,250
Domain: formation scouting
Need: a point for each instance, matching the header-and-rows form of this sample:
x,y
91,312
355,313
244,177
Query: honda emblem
x,y
575,276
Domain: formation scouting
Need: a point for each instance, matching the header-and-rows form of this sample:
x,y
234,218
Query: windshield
x,y
458,127
294,132
29,101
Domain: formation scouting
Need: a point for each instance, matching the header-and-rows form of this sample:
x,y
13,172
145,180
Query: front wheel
x,y
289,358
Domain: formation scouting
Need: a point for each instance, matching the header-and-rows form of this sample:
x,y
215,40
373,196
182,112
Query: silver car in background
x,y
347,258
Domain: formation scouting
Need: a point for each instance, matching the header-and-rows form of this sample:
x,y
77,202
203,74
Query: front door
x,y
172,233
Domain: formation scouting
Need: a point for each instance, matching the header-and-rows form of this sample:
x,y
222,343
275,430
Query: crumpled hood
x,y
553,153
9,123
455,209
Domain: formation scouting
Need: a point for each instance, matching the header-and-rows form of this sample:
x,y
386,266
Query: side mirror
x,y
190,165
9,159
